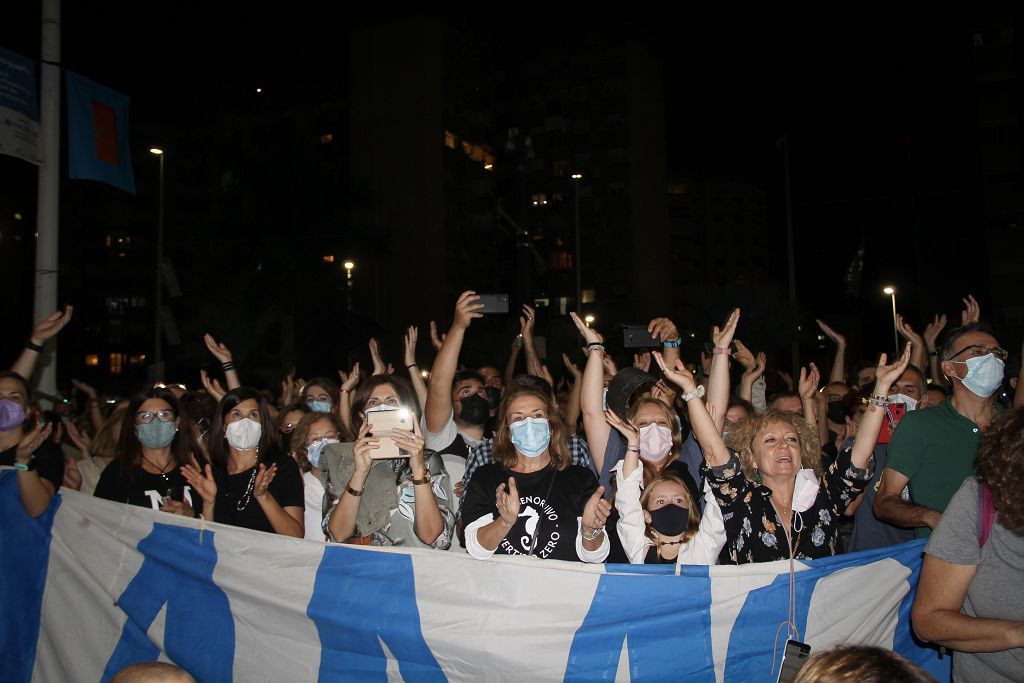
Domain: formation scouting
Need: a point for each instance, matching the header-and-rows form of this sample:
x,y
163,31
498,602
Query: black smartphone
x,y
637,336
493,303
792,659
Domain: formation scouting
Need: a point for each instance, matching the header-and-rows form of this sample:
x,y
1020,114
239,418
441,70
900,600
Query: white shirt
x,y
314,494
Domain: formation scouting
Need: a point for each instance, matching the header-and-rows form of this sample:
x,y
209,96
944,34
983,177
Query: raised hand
x,y
379,368
72,477
526,322
81,441
84,388
743,355
202,482
31,442
506,499
409,345
757,370
597,510
907,332
933,330
264,476
809,381
571,367
411,441
722,336
786,378
213,387
971,312
288,393
466,310
679,375
349,381
589,334
885,375
642,361
364,447
610,369
837,338
663,393
435,340
51,325
663,329
219,351
624,427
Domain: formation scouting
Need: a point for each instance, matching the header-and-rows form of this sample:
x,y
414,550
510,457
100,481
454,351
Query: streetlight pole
x,y
891,291
576,178
349,265
158,363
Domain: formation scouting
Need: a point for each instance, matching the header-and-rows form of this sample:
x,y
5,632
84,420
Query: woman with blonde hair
x,y
531,500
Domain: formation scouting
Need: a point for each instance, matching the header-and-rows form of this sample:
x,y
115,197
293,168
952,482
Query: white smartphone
x,y
382,420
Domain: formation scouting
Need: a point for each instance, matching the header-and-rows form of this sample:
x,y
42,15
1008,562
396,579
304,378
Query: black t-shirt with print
x,y
286,488
549,516
49,461
145,489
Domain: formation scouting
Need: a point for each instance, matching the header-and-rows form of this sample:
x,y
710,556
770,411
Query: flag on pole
x,y
98,133
19,107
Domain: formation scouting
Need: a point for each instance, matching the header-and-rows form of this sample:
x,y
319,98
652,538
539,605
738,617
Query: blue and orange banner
x,y
98,146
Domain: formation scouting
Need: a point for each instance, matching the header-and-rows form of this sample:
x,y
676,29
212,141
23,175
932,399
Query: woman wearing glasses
x,y
155,442
405,501
310,436
251,483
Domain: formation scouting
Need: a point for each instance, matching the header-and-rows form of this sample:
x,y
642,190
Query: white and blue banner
x,y
92,586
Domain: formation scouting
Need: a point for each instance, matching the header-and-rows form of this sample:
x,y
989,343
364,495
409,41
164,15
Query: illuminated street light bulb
x,y
349,265
156,150
259,90
577,176
889,290
589,319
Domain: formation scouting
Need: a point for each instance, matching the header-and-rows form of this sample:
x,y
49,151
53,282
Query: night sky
x,y
877,101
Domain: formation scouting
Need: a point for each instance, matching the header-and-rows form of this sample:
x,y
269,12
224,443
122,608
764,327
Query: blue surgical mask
x,y
531,436
156,434
314,450
319,406
984,374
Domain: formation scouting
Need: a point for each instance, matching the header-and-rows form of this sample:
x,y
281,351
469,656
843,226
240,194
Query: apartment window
x,y
450,140
116,363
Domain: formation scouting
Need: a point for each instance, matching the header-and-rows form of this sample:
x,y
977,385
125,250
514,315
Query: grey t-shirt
x,y
994,593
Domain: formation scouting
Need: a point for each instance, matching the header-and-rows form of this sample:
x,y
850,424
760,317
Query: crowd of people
x,y
663,461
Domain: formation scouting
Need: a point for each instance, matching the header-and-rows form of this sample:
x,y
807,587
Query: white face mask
x,y
984,374
911,403
806,490
244,435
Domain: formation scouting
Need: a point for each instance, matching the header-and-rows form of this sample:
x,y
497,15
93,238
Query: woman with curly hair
x,y
769,482
969,598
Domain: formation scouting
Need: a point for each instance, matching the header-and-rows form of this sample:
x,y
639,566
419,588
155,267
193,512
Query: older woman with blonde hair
x,y
531,501
776,501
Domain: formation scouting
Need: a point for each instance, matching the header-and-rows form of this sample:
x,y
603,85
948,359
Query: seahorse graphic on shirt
x,y
532,518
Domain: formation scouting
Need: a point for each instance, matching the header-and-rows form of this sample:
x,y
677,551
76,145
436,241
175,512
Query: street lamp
x,y
576,178
158,341
891,291
349,266
588,319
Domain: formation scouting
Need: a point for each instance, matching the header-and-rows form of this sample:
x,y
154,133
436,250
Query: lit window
x,y
116,363
449,139
326,138
137,359
329,258
92,360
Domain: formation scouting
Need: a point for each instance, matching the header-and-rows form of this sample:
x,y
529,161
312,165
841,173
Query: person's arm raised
x,y
419,386
718,382
572,407
36,492
41,332
665,331
591,395
871,423
223,354
92,402
513,356
838,373
931,334
439,394
526,323
704,428
917,345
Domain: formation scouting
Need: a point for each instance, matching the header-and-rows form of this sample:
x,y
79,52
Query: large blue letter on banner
x,y
361,599
199,631
667,620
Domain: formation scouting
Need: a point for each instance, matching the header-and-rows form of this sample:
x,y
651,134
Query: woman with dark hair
x,y
251,484
320,394
154,443
286,421
969,598
313,433
531,500
404,501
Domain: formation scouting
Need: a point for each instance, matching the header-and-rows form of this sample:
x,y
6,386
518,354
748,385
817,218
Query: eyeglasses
x,y
145,417
373,402
977,350
313,438
287,428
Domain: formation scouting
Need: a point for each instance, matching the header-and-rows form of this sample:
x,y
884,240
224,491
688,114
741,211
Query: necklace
x,y
243,502
162,470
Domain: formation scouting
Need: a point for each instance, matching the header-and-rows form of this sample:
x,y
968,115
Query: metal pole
x,y
579,265
48,201
792,258
158,341
895,330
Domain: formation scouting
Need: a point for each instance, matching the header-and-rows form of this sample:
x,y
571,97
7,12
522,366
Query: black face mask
x,y
493,397
835,412
670,520
475,410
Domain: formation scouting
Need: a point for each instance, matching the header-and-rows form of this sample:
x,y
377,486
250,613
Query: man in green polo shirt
x,y
933,450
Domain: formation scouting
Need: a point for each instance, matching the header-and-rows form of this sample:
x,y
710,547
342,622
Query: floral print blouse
x,y
752,526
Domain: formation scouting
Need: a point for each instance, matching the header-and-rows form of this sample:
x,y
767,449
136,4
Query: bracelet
x,y
29,344
881,403
411,365
632,449
352,491
878,397
722,351
345,391
591,535
595,345
424,480
673,344
696,393
227,367
27,466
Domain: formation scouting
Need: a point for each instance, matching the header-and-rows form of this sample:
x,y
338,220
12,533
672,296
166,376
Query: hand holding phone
x,y
382,420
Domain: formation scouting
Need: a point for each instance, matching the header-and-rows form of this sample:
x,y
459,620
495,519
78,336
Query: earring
x,y
757,475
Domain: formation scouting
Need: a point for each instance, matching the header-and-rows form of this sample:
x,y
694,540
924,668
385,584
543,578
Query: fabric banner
x,y
98,133
19,107
93,586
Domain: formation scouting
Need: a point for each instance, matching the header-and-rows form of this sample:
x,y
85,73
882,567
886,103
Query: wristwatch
x,y
591,535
